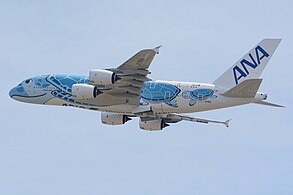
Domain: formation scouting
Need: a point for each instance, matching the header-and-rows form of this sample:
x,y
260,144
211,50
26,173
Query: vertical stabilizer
x,y
250,66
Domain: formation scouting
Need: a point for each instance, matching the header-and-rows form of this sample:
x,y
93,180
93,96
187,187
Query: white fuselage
x,y
215,102
161,97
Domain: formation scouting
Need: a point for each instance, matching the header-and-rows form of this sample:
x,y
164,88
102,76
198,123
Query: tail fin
x,y
250,66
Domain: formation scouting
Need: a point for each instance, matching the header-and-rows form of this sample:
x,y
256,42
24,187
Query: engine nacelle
x,y
102,77
109,118
84,91
152,125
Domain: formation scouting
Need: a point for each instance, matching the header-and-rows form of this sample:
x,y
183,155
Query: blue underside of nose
x,y
17,91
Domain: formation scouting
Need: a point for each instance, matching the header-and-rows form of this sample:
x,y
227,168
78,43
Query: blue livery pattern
x,y
160,92
64,83
197,94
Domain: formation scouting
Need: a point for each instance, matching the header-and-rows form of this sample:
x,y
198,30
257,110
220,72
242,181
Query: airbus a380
x,y
126,91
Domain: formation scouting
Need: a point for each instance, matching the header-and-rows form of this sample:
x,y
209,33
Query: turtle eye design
x,y
28,81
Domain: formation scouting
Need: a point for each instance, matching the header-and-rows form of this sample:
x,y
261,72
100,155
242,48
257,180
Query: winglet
x,y
227,122
157,49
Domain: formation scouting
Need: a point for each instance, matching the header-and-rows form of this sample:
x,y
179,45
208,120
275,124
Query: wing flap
x,y
130,83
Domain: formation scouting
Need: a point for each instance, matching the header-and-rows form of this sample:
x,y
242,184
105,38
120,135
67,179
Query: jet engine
x,y
102,77
84,91
109,118
152,125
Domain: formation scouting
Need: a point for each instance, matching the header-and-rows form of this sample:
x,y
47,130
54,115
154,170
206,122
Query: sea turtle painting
x,y
63,85
197,94
160,92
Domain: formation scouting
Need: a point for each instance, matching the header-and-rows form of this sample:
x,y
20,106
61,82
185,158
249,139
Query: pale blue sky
x,y
56,150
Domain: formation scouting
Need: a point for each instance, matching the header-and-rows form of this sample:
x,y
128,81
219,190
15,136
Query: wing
x,y
174,118
131,77
199,120
141,60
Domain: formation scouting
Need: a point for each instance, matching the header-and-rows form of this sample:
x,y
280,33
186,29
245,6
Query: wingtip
x,y
157,49
227,122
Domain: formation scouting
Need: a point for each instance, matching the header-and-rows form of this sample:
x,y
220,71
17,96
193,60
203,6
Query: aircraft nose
x,y
17,91
12,92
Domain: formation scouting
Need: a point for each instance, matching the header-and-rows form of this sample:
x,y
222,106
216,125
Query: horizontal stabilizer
x,y
246,89
269,104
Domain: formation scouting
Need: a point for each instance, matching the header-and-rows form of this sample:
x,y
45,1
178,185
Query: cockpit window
x,y
28,81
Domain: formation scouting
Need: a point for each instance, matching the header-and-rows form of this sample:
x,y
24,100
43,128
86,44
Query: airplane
x,y
126,91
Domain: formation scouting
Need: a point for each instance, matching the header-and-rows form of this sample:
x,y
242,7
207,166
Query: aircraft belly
x,y
56,102
213,104
123,108
157,108
104,100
